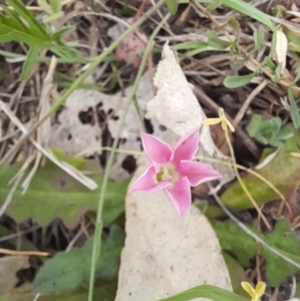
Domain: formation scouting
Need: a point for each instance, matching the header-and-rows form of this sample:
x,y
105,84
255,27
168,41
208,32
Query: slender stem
x,y
98,228
241,181
80,79
250,233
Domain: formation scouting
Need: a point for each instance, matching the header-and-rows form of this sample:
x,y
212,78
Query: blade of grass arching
x,y
98,228
250,11
244,8
80,79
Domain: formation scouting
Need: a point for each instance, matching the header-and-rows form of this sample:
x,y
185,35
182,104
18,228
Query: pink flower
x,y
173,170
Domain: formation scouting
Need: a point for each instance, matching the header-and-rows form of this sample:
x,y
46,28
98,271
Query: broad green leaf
x,y
172,6
282,172
104,290
285,133
232,238
254,125
294,111
236,81
249,10
19,24
13,29
69,269
206,291
53,193
258,39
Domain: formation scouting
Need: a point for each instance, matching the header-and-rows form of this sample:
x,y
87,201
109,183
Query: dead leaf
x,y
165,254
281,49
9,266
176,107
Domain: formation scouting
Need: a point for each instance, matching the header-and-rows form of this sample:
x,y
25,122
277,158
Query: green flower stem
x,y
81,78
98,228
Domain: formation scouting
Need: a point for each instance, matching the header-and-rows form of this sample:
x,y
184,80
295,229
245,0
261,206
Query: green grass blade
x,y
250,11
206,291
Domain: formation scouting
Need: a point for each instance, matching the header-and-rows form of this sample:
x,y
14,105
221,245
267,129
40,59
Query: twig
x,y
73,172
24,253
9,197
207,101
240,114
249,232
43,132
242,183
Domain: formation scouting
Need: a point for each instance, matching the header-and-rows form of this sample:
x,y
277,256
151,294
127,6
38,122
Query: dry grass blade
x,y
43,132
73,172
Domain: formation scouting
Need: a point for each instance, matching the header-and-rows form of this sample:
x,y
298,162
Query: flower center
x,y
166,174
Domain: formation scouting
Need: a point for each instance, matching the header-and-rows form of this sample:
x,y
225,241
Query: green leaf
x,y
53,193
69,269
294,111
172,6
285,133
55,5
31,60
104,290
19,24
13,28
236,273
254,125
236,81
215,42
232,238
215,5
45,6
206,291
282,172
258,39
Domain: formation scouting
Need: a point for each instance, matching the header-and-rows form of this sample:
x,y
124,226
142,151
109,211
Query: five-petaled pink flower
x,y
173,170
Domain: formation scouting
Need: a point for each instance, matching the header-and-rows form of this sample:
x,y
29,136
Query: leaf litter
x,y
209,74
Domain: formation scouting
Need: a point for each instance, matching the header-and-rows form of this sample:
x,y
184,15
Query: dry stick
x,y
9,197
241,181
43,132
72,171
249,232
239,116
24,253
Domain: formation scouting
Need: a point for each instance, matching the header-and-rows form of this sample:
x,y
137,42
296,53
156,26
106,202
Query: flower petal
x,y
260,288
248,288
146,182
180,195
158,151
196,172
186,147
